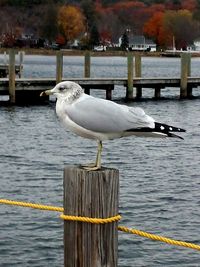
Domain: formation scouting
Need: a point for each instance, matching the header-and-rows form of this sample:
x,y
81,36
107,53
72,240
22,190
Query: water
x,y
159,179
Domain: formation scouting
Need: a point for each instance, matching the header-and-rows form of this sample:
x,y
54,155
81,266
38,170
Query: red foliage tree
x,y
153,28
190,5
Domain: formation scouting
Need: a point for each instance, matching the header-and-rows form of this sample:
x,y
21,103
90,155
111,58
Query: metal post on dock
x,y
92,194
59,66
185,72
11,71
129,90
138,74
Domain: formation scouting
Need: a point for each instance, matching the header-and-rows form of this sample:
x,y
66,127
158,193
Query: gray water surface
x,y
159,181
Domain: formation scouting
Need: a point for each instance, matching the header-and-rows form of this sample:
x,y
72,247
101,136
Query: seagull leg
x,y
97,165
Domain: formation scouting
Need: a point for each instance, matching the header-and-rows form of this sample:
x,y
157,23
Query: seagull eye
x,y
62,88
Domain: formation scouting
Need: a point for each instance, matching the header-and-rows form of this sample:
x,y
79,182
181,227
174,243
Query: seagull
x,y
100,119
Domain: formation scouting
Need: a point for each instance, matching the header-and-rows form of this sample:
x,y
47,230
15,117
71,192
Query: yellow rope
x,y
100,221
31,205
64,217
90,220
159,238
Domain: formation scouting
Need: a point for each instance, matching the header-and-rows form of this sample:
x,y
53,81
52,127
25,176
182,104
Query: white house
x,y
139,43
197,44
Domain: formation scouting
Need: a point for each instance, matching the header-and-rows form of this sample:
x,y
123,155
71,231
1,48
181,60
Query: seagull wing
x,y
104,116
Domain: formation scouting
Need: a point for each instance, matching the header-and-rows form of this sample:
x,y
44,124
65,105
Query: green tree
x,y
125,41
94,36
181,26
49,28
90,14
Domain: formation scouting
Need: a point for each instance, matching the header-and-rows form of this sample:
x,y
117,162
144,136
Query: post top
x,y
80,168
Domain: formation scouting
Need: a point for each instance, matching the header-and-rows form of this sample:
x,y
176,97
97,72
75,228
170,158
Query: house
x,y
197,44
139,43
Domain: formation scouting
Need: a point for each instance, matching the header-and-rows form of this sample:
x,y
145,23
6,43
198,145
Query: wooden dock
x,y
27,90
4,70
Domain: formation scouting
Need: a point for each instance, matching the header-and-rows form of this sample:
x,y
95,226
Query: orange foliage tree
x,y
71,22
154,28
164,27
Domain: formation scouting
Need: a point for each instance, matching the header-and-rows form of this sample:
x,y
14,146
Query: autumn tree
x,y
154,29
70,22
178,25
181,26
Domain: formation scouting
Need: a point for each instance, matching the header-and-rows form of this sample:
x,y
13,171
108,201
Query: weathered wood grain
x,y
90,194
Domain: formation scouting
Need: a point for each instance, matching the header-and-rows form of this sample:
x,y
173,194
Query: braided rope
x,y
31,205
102,221
90,220
159,238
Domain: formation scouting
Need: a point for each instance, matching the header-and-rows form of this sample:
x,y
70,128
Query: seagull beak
x,y
47,92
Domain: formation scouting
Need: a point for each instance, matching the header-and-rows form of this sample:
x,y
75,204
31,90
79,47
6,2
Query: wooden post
x,y
138,73
129,91
157,92
11,71
185,69
90,194
109,92
21,60
87,69
59,66
87,65
189,88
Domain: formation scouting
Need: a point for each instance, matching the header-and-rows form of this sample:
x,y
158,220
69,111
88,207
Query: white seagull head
x,y
65,90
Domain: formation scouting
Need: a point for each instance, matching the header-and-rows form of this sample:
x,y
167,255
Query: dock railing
x,y
19,88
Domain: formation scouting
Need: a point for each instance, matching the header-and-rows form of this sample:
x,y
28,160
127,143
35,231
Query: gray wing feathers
x,y
105,116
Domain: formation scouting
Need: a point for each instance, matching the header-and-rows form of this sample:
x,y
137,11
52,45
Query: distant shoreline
x,y
68,52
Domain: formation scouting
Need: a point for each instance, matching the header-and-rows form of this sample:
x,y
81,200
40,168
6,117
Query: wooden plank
x,y
90,194
98,83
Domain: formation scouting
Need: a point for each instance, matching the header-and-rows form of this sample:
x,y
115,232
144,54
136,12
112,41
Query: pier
x,y
27,90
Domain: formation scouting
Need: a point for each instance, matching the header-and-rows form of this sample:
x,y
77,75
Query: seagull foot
x,y
94,168
91,167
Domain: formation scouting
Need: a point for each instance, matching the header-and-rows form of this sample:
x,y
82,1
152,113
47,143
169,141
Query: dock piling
x,y
87,63
185,72
129,89
138,74
59,66
11,71
21,60
91,194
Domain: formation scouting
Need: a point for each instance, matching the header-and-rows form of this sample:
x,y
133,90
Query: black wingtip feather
x,y
175,135
161,127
